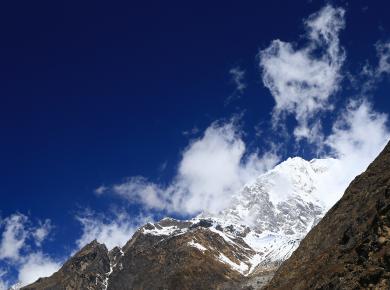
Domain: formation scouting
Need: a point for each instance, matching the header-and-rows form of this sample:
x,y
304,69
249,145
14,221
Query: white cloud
x,y
100,190
302,80
359,133
20,245
3,284
42,231
211,170
113,229
18,230
238,76
139,189
383,52
36,265
13,237
357,137
371,75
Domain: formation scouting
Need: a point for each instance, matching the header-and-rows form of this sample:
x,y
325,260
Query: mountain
x,y
350,246
280,207
85,270
239,248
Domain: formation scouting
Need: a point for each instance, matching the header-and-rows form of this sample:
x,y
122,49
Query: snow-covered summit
x,y
284,200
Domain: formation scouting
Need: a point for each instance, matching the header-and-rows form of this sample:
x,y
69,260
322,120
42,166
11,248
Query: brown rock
x,y
85,270
173,264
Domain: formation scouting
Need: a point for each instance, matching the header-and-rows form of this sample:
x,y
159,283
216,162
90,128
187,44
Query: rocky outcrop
x,y
350,247
180,262
85,270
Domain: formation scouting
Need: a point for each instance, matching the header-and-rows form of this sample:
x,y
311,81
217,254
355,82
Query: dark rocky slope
x,y
350,247
85,270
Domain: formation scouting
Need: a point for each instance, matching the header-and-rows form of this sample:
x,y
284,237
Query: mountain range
x,y
244,245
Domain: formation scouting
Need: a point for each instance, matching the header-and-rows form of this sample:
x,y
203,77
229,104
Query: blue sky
x,y
110,111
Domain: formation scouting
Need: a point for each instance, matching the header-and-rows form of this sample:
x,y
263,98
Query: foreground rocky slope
x,y
350,247
238,248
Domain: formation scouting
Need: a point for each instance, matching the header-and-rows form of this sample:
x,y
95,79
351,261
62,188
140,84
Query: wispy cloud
x,y
20,248
195,130
42,231
113,228
237,75
383,52
372,74
301,80
358,135
36,265
100,190
3,284
14,236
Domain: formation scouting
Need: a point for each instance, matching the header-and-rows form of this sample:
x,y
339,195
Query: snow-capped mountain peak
x,y
284,200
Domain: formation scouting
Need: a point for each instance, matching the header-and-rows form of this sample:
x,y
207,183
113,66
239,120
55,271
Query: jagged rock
x,y
350,246
186,267
85,270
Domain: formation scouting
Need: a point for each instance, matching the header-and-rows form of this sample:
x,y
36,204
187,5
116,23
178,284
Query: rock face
x,y
238,248
350,247
176,255
85,270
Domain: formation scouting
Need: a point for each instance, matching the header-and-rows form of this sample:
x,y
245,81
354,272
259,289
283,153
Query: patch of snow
x,y
194,244
164,231
242,267
105,282
16,286
223,235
